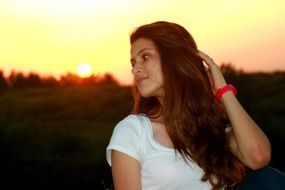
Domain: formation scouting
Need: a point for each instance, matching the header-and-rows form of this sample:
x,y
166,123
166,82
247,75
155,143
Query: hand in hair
x,y
214,73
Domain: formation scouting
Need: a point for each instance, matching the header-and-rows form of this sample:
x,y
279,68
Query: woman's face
x,y
146,69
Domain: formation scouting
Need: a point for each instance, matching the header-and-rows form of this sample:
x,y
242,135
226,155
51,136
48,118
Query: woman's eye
x,y
145,57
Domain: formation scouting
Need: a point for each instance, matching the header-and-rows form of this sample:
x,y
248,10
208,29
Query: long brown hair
x,y
194,120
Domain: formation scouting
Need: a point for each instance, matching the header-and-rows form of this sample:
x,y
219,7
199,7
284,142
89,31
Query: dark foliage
x,y
53,133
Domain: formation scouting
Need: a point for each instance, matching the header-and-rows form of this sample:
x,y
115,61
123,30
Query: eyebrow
x,y
143,49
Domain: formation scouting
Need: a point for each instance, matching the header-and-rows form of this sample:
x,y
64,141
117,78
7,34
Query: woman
x,y
187,129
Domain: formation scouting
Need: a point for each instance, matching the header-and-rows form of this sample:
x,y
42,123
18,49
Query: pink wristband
x,y
224,89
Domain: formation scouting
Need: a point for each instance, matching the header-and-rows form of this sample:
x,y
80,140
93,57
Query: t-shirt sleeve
x,y
125,138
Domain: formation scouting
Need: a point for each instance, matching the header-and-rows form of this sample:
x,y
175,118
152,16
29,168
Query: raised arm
x,y
247,141
125,171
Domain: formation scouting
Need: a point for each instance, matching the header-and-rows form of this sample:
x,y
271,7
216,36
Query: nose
x,y
136,69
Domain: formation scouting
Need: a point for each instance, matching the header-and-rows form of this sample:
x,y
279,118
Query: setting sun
x,y
84,70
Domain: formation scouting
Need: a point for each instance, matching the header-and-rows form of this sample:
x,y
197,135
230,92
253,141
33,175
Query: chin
x,y
146,95
150,92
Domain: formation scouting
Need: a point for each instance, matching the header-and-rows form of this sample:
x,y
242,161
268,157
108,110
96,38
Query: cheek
x,y
159,78
158,74
153,68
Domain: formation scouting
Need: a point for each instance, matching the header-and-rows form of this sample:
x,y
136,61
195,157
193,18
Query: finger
x,y
201,54
206,67
204,56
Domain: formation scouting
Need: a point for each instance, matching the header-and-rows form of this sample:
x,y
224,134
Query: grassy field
x,y
56,137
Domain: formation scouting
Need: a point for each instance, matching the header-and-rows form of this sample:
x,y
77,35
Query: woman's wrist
x,y
221,91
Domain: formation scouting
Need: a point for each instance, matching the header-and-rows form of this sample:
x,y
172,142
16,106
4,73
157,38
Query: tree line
x,y
30,80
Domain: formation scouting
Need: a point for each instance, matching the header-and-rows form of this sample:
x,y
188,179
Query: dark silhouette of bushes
x,y
3,81
32,80
71,79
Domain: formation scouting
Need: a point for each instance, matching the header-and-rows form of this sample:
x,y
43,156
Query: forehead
x,y
141,43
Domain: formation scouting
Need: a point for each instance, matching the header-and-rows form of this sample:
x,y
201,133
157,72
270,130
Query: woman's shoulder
x,y
128,137
134,122
133,118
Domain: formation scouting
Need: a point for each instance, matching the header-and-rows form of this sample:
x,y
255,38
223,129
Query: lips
x,y
139,80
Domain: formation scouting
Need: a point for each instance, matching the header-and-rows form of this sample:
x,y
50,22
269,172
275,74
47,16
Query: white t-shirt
x,y
161,169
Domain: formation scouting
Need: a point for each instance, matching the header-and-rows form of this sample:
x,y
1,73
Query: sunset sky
x,y
55,36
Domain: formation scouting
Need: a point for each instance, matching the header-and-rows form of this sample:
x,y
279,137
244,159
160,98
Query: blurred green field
x,y
55,137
